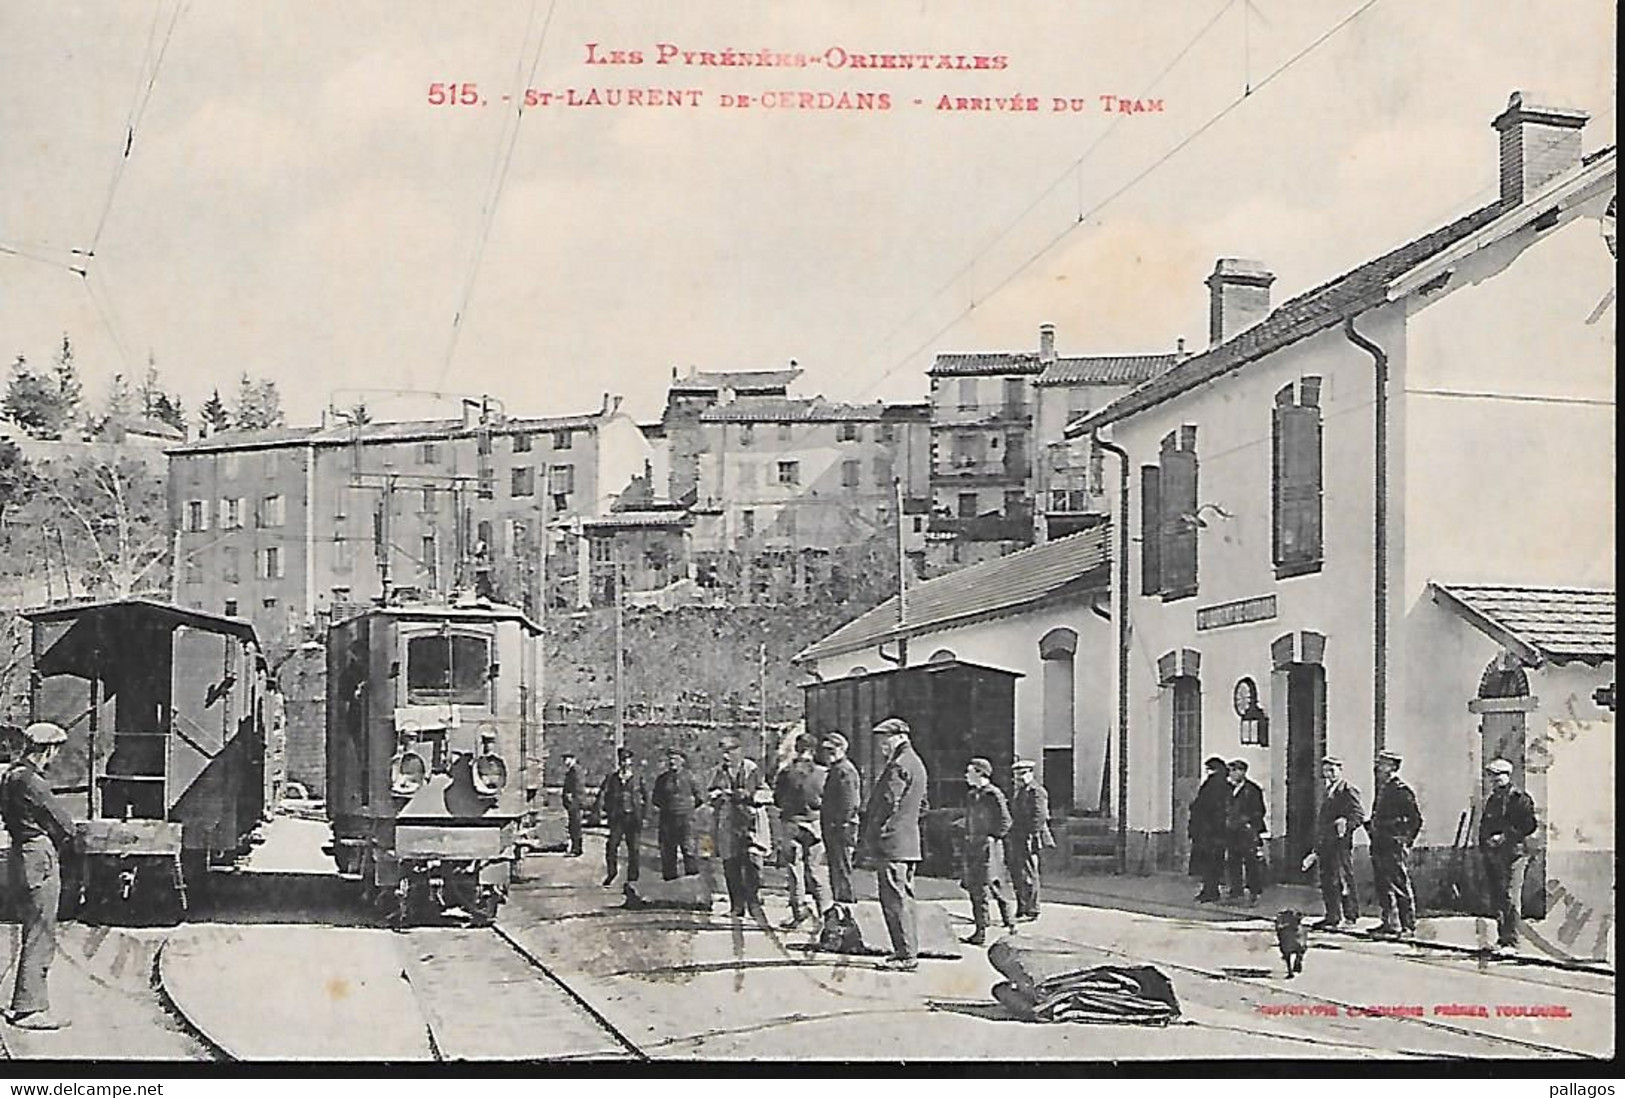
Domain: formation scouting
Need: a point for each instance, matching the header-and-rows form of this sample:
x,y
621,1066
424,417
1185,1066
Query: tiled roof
x,y
907,412
1105,369
1299,318
769,409
986,362
342,434
1063,567
1559,624
707,381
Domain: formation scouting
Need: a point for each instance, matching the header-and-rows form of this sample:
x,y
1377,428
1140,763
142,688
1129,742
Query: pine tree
x,y
70,391
258,406
213,417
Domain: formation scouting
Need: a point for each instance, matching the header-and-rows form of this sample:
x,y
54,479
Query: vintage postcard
x,y
1067,533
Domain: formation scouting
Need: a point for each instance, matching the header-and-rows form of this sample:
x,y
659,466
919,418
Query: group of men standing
x,y
1228,827
825,829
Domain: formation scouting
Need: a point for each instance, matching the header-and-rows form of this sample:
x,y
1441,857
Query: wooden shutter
x,y
1298,475
1178,527
1150,530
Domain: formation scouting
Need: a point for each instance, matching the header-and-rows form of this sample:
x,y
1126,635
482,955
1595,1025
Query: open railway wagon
x,y
434,751
163,706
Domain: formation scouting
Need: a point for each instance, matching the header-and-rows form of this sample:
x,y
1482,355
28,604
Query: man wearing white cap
x,y
1503,835
39,828
1029,837
891,837
1341,814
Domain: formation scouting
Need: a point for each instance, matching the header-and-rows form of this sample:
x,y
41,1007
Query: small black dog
x,y
1292,936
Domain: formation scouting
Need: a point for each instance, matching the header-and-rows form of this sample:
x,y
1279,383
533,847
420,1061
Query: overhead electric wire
x,y
23,254
1139,177
488,211
1075,166
137,112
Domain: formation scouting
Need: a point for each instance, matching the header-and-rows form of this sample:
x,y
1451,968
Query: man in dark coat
x,y
1245,826
1207,830
40,829
1029,837
987,822
676,796
1341,815
1503,842
891,837
838,809
798,790
1396,820
625,802
572,794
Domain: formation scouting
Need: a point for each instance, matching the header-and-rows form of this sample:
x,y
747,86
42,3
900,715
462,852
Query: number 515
x,y
466,95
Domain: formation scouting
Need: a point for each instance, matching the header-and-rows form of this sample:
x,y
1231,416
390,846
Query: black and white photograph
x,y
1060,536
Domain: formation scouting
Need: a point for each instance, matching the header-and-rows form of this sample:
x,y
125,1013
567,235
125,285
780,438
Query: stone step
x,y
1093,863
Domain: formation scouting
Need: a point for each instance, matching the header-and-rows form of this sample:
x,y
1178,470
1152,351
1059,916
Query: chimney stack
x,y
1238,297
1538,144
1046,343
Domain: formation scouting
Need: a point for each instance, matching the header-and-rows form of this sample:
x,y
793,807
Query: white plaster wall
x,y
1233,417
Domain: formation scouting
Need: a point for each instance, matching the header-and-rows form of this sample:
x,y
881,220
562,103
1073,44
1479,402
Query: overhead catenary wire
x,y
1074,168
137,113
488,210
1084,217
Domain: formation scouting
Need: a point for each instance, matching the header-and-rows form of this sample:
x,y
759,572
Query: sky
x,y
293,206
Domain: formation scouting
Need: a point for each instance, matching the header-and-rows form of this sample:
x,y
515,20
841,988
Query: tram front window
x,y
444,669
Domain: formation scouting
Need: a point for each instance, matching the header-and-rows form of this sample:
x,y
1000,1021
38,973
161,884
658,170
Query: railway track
x,y
425,994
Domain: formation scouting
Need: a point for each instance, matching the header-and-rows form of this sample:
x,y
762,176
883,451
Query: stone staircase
x,y
1088,843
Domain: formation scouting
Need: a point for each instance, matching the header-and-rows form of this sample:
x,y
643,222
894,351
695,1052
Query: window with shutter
x,y
1150,523
1298,474
1179,528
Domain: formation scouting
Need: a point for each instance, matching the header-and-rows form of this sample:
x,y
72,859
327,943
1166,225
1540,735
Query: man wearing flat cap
x,y
625,801
1207,832
1503,842
40,829
1029,837
1396,821
987,822
838,815
891,837
1341,814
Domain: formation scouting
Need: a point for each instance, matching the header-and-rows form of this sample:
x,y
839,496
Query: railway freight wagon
x,y
956,712
163,706
433,753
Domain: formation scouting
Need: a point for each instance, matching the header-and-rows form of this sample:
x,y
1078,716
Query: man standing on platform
x,y
572,802
891,838
1503,837
625,801
676,796
1029,837
1341,815
798,791
40,829
1396,820
838,816
1207,830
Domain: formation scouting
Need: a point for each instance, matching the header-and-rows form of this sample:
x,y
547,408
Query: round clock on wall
x,y
1246,697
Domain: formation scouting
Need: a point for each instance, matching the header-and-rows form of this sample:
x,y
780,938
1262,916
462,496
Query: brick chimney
x,y
1046,343
1238,297
1538,144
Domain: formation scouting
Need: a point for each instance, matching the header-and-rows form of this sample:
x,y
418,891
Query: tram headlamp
x,y
407,773
489,773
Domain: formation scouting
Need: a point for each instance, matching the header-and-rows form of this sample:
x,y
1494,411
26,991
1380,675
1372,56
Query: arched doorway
x,y
1180,676
1056,651
1298,669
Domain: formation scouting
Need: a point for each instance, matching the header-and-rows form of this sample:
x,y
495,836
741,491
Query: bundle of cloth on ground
x,y
1049,986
